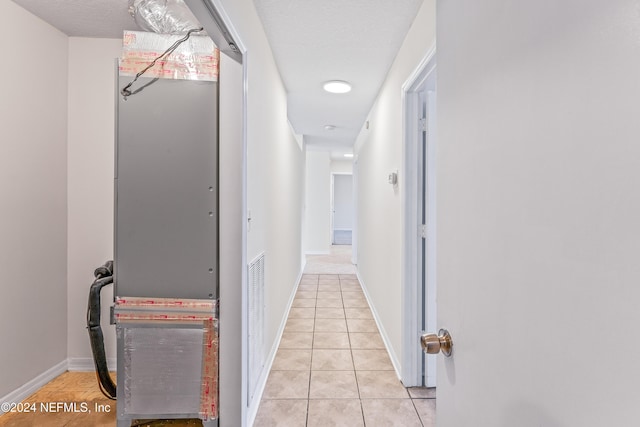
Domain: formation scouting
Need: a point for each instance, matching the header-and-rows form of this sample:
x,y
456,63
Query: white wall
x,y
341,166
275,173
380,211
538,207
33,186
90,186
318,202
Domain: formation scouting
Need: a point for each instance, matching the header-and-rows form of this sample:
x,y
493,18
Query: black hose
x,y
104,277
104,270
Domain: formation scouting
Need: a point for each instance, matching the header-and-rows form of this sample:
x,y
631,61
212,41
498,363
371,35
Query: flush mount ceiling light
x,y
329,127
337,86
348,155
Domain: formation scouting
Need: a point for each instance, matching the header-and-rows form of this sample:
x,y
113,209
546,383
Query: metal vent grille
x,y
255,323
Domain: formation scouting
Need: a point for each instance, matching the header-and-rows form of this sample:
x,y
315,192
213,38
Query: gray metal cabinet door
x,y
166,227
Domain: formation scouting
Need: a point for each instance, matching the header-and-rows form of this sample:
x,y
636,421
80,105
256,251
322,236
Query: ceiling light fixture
x,y
329,127
348,155
337,86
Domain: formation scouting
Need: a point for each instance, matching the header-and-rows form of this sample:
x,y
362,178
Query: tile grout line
x,y
353,361
313,339
416,409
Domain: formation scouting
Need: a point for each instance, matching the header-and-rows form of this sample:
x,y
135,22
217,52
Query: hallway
x,y
332,367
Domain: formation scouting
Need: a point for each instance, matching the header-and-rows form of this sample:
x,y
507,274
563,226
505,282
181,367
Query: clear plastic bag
x,y
163,16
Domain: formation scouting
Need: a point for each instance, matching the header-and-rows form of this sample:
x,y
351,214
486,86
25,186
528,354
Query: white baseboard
x,y
385,338
252,411
318,253
86,364
26,390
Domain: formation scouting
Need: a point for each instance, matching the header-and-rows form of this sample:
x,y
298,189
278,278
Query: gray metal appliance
x,y
166,269
166,250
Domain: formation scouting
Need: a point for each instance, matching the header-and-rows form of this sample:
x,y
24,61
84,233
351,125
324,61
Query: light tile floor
x,y
332,368
338,261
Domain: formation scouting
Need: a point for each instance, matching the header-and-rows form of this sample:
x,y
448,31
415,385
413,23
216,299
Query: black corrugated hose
x,y
103,277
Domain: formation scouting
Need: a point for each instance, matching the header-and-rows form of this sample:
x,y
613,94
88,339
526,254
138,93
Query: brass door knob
x,y
434,344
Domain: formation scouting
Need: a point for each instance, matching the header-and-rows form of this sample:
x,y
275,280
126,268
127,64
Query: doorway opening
x,y
419,280
342,209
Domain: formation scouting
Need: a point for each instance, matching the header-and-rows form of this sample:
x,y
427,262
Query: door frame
x,y
412,308
228,378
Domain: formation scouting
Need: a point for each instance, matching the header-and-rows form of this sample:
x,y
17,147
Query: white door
x,y
539,213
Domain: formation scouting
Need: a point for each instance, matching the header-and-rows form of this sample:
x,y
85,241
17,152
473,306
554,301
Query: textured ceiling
x,y
312,41
316,41
84,18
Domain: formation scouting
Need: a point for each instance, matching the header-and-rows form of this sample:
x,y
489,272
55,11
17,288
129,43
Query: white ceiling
x,y
316,41
84,18
312,41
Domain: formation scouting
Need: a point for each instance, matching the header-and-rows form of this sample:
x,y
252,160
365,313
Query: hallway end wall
x,y
380,212
342,166
33,185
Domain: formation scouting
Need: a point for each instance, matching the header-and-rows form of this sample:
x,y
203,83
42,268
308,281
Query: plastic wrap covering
x,y
163,16
170,357
195,59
